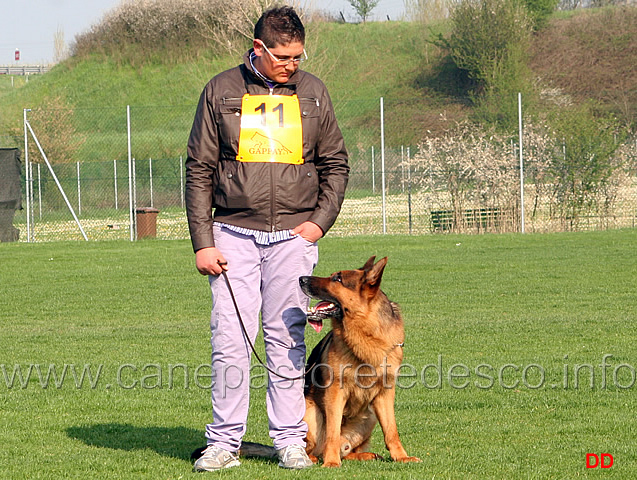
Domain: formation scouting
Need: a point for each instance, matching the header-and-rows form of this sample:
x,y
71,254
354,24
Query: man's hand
x,y
210,261
309,231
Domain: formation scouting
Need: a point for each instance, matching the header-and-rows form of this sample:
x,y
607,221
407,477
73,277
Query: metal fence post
x,y
130,178
150,172
373,172
26,173
57,181
135,197
409,189
521,165
32,210
382,161
181,179
79,191
40,192
115,181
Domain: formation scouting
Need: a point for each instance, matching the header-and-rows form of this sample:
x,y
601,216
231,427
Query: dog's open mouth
x,y
320,312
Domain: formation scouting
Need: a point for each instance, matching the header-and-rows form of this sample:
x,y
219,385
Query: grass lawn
x,y
520,358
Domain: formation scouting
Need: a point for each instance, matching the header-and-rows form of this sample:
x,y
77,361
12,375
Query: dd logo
x,y
604,460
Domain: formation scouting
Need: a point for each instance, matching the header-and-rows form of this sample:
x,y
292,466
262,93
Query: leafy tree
x,y
584,162
539,10
364,8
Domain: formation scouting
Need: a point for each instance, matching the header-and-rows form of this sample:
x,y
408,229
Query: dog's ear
x,y
374,276
369,264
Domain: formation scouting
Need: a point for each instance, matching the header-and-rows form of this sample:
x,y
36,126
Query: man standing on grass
x,y
265,152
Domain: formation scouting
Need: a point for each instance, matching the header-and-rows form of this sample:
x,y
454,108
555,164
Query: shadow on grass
x,y
176,442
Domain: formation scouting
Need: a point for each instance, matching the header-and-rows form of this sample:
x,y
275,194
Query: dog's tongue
x,y
317,313
316,324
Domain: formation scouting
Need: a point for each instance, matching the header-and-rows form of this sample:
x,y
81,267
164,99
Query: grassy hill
x,y
588,57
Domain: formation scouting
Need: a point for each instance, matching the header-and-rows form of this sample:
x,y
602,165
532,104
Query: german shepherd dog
x,y
350,380
350,375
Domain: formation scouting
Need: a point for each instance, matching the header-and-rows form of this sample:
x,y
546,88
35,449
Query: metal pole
x,y
79,191
409,189
57,182
135,196
402,167
130,178
39,191
521,164
181,179
382,159
373,172
32,212
115,180
26,172
150,172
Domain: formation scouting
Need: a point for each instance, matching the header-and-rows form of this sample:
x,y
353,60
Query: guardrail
x,y
23,69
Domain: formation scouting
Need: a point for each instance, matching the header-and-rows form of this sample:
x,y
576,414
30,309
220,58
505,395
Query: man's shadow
x,y
175,442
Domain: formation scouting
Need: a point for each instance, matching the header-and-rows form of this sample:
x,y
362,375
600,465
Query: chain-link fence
x,y
104,166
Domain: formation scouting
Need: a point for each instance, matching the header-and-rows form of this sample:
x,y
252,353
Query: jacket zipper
x,y
272,189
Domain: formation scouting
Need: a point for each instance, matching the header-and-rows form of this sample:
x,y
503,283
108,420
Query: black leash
x,y
245,331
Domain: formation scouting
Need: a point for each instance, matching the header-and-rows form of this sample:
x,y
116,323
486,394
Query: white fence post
x,y
40,192
57,182
130,179
115,180
521,164
150,172
373,172
382,161
79,191
26,164
181,179
135,196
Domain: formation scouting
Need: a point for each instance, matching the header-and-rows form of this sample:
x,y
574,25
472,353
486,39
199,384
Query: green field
x,y
507,336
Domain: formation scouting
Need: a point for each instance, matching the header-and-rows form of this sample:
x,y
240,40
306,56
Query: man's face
x,y
276,70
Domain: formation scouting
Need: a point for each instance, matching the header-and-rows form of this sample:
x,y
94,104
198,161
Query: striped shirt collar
x,y
267,81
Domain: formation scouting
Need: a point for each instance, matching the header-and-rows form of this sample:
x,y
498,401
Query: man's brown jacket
x,y
262,196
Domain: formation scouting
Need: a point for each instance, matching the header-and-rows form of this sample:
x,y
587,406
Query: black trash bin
x,y
146,219
10,193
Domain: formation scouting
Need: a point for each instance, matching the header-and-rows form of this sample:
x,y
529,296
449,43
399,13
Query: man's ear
x,y
258,47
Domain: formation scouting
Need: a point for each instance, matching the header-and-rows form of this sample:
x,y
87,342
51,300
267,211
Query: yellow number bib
x,y
271,129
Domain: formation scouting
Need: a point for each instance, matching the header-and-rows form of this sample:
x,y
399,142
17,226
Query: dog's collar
x,y
401,345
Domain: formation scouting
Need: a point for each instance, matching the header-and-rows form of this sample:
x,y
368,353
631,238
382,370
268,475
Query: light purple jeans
x,y
264,279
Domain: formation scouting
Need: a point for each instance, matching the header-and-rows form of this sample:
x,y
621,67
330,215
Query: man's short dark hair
x,y
279,26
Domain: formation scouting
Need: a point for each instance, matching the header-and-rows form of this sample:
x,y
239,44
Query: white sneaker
x,y
215,458
294,457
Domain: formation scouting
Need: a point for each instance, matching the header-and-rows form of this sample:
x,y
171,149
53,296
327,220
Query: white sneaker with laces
x,y
215,458
294,457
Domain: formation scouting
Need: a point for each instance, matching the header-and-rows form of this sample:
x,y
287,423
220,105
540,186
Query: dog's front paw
x,y
331,464
408,459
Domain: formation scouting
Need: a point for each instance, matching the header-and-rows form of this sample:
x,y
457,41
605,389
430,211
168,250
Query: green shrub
x,y
539,11
584,162
488,42
484,34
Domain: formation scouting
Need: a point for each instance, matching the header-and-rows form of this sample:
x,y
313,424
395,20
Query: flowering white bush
x,y
470,170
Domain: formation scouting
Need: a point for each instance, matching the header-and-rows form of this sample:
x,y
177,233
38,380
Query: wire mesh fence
x,y
111,163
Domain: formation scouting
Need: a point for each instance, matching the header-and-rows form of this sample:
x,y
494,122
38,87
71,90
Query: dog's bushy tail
x,y
250,449
247,450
